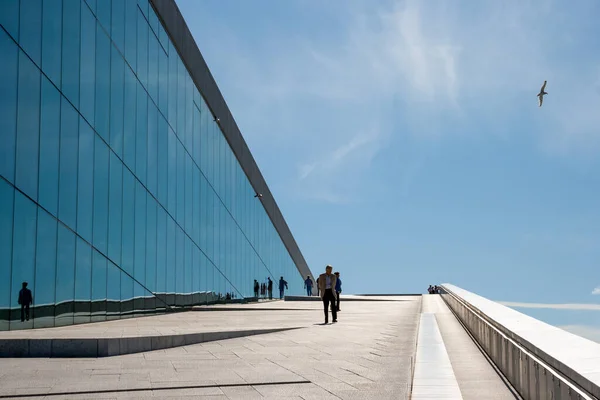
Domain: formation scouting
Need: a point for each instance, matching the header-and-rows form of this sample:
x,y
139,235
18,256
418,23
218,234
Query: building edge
x,y
172,20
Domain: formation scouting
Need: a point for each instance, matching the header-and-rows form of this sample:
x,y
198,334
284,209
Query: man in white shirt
x,y
327,283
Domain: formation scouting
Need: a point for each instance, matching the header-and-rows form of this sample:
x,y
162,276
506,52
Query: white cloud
x,y
596,291
586,331
566,306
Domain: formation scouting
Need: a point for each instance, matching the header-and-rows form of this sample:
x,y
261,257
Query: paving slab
x,y
368,354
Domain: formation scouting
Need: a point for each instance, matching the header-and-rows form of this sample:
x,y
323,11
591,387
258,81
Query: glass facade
x,y
119,194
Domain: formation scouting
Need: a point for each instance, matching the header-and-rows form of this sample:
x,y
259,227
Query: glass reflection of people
x,y
270,288
25,300
282,286
256,287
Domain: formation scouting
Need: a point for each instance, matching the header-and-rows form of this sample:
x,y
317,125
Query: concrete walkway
x,y
368,354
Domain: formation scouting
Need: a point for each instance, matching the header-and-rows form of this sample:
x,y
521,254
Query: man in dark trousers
x,y
338,290
282,286
326,284
25,299
270,288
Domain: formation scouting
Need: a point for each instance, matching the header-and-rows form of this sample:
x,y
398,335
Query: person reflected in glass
x,y
282,286
270,288
308,284
256,287
338,290
25,300
326,284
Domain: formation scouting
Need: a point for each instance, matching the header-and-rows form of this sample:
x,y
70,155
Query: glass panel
x,y
28,127
180,184
23,260
115,208
102,82
117,83
196,220
9,17
141,138
142,50
129,131
171,263
117,31
187,274
179,265
92,5
189,108
172,117
101,177
172,173
69,142
49,147
153,48
45,270
85,181
65,276
99,287
128,226
70,50
162,159
83,282
188,193
152,148
30,35
181,74
6,236
131,12
140,240
104,13
161,254
88,65
126,304
151,244
163,81
8,100
113,291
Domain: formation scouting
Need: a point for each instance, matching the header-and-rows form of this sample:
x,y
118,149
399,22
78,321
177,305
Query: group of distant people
x,y
433,289
267,288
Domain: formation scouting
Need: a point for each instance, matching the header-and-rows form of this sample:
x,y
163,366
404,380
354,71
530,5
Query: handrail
x,y
533,372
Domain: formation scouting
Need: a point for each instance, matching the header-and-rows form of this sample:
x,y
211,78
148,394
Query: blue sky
x,y
404,144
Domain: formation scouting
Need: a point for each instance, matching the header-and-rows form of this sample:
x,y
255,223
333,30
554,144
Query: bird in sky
x,y
542,93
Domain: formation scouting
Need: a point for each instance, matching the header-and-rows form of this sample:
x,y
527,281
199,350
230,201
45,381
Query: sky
x,y
404,144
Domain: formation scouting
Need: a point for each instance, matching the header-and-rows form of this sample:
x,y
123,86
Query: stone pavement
x,y
368,354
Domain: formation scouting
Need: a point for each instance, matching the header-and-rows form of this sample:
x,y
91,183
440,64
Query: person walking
x,y
338,290
308,284
282,286
25,300
270,288
326,288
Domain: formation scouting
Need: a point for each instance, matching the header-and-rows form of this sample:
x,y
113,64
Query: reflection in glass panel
x,y
87,75
85,181
69,141
7,193
23,259
115,208
30,32
99,287
8,101
70,50
103,52
101,180
28,127
49,147
83,282
45,270
117,82
65,276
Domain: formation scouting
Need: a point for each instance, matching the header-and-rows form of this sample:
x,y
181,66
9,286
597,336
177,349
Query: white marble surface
x,y
579,354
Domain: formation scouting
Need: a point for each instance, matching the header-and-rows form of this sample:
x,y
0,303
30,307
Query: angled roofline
x,y
170,16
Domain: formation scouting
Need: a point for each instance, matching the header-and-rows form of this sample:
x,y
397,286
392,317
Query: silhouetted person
x,y
256,288
25,299
338,290
308,284
282,286
270,288
326,288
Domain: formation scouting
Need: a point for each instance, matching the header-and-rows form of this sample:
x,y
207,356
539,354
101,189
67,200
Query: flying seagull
x,y
542,93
